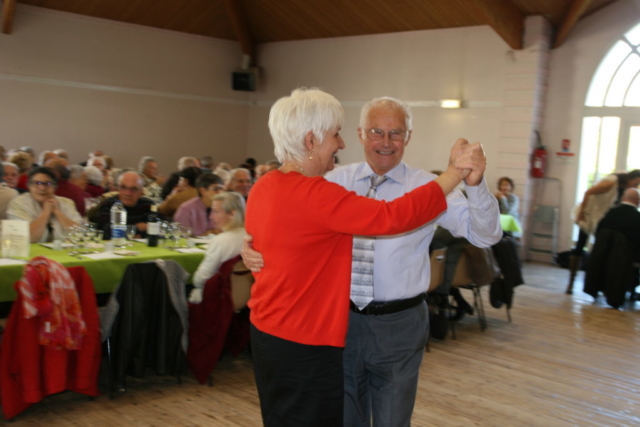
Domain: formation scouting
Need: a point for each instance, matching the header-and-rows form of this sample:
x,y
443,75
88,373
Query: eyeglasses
x,y
46,184
394,134
132,189
216,188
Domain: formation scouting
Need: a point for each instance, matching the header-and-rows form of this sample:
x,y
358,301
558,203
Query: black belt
x,y
376,308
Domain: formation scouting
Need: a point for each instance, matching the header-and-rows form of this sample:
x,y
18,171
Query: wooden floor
x,y
563,361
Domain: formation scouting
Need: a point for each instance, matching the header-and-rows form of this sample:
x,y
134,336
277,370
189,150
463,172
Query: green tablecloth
x,y
106,273
509,223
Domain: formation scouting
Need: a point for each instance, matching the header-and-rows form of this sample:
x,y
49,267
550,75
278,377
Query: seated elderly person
x,y
11,176
228,214
94,181
24,162
184,191
195,213
172,181
148,168
241,182
49,215
130,186
78,177
6,195
64,188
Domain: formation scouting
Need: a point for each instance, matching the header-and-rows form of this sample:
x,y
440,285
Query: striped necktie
x,y
362,258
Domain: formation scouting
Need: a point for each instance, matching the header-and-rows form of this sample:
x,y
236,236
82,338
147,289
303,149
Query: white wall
x,y
68,81
572,67
418,67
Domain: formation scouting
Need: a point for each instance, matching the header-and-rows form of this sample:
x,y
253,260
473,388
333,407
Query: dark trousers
x,y
299,385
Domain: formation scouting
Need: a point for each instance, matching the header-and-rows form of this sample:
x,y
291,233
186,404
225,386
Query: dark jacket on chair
x,y
610,267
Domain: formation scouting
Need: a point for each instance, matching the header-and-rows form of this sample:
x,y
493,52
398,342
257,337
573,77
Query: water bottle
x,y
118,224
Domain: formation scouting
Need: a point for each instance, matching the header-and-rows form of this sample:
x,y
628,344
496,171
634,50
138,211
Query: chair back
x,y
438,260
241,282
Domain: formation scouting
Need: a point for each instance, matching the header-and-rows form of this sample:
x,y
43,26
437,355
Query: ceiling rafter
x,y
238,20
505,19
577,9
8,12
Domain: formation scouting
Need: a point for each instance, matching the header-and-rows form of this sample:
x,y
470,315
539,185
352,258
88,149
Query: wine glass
x,y
132,230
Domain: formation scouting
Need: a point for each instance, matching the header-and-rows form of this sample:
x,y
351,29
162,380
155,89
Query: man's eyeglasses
x,y
216,188
394,134
132,189
45,184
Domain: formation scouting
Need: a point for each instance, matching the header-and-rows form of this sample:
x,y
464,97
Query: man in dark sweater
x,y
130,187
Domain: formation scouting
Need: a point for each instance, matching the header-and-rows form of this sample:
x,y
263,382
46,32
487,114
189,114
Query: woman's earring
x,y
310,155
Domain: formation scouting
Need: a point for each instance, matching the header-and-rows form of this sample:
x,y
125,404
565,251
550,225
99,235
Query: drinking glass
x,y
132,230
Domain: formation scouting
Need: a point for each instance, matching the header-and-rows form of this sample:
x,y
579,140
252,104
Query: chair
x,y
476,268
437,260
30,371
223,298
145,323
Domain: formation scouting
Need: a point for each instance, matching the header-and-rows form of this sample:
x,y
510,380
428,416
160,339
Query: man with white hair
x,y
130,187
241,181
148,168
6,194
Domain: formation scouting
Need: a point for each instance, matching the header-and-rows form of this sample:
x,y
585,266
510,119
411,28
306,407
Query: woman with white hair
x,y
303,225
227,213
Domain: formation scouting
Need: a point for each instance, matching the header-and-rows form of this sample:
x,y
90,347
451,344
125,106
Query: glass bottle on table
x,y
153,227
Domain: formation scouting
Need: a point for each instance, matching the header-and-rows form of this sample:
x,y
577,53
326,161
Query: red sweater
x,y
304,229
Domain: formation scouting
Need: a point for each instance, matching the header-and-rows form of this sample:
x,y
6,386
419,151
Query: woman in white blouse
x,y
48,215
227,212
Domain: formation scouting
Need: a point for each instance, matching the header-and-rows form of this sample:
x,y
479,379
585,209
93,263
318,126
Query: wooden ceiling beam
x,y
240,27
577,9
505,19
8,12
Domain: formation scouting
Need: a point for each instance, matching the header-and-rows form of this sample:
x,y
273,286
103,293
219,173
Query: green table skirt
x,y
106,273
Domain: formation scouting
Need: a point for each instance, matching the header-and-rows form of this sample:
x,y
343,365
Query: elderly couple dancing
x,y
339,323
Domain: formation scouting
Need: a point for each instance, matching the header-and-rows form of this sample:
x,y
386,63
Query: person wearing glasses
x,y
130,188
195,213
304,226
386,339
48,215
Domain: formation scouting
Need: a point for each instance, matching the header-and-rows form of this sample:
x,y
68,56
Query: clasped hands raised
x,y
468,161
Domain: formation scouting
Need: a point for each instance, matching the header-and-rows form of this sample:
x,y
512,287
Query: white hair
x,y
143,163
387,101
75,171
224,174
92,161
10,165
94,175
292,117
139,179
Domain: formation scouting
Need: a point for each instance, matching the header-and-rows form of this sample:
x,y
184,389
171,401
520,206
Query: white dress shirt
x,y
401,264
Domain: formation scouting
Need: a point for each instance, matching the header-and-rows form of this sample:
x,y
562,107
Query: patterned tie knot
x,y
376,181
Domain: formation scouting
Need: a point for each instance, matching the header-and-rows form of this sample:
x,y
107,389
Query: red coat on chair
x,y
29,371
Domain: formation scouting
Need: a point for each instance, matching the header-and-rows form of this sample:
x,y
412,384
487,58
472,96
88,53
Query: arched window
x,y
611,124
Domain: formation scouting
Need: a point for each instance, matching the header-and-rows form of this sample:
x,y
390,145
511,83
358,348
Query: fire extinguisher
x,y
539,159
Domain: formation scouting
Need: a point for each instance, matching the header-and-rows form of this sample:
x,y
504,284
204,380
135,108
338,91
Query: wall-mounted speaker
x,y
245,80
